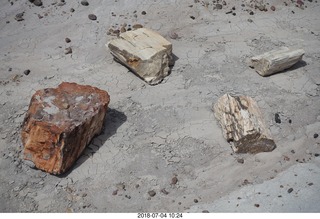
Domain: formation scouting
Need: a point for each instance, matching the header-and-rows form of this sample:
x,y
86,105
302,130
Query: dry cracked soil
x,y
161,149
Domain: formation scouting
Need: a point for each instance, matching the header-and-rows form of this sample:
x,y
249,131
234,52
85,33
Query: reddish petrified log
x,y
60,123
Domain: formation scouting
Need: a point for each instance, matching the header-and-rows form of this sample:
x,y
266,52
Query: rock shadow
x,y
299,64
114,119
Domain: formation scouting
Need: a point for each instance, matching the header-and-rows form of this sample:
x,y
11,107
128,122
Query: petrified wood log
x,y
276,60
242,124
145,52
60,123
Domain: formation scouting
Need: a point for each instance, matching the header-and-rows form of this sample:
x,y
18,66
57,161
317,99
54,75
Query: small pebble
x,y
116,32
310,184
316,155
290,190
68,51
174,180
115,192
84,2
273,8
122,30
121,186
67,40
218,6
251,13
257,205
240,160
286,158
19,17
71,10
92,17
16,189
143,13
26,72
195,200
173,35
277,118
315,135
61,3
164,191
137,26
205,211
10,69
192,17
250,20
152,193
37,2
261,7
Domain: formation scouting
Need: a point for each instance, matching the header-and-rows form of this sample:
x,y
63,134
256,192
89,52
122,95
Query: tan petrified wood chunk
x,y
145,52
276,60
242,124
60,123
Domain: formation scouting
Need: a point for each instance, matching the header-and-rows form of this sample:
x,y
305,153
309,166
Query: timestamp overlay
x,y
160,215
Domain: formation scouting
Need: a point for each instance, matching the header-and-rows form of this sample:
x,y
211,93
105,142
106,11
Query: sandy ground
x,y
155,133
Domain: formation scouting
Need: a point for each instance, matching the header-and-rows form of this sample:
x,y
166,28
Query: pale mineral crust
x,y
60,123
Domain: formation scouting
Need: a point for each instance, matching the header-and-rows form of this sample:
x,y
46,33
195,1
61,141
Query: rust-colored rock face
x,y
60,123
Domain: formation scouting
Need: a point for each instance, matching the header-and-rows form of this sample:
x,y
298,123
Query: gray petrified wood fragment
x,y
242,124
145,52
276,60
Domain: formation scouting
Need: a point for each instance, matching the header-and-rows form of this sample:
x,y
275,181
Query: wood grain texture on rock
x,y
60,123
242,124
145,52
276,60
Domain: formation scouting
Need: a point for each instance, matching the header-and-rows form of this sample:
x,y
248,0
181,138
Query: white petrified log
x,y
242,124
145,52
276,60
